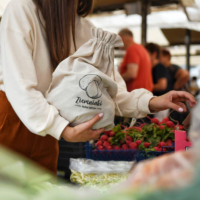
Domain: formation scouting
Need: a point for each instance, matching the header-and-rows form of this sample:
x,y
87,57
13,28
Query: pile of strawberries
x,y
157,136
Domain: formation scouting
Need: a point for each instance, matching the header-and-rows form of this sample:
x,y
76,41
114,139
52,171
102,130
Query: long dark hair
x,y
60,16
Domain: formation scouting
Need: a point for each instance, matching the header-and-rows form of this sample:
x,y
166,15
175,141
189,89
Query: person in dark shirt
x,y
159,71
177,77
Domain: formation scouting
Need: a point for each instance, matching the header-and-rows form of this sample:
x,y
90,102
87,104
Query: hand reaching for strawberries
x,y
172,100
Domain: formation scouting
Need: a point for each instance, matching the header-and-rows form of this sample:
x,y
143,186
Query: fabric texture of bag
x,y
82,86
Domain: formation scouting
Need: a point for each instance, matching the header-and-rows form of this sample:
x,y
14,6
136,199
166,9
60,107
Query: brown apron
x,y
14,135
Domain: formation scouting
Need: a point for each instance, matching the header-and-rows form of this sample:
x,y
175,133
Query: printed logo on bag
x,y
90,84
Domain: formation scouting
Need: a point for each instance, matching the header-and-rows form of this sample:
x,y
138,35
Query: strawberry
x,y
155,121
109,148
112,134
146,144
117,148
162,127
138,129
128,142
138,142
99,143
133,145
162,144
166,119
178,127
105,144
170,124
129,138
169,143
107,133
157,148
100,148
125,146
104,137
109,139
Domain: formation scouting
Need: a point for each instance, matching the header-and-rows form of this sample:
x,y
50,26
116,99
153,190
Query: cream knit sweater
x,y
26,71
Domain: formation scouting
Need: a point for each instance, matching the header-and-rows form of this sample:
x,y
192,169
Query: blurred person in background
x,y
159,71
136,66
177,77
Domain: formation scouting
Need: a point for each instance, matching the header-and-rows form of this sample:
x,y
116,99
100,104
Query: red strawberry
x,y
166,119
138,142
109,139
179,127
100,148
157,148
105,144
170,124
138,129
162,127
162,144
133,145
169,143
129,138
128,142
107,133
142,125
104,137
146,144
155,121
112,134
117,148
109,148
160,123
99,143
125,146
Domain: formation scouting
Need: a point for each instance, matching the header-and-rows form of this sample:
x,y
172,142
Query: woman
x,y
35,36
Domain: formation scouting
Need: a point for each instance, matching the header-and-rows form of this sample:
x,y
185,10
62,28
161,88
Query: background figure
x,y
194,88
177,79
159,71
136,66
159,75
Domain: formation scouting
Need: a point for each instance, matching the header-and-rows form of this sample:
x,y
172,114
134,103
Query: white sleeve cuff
x,y
57,128
143,104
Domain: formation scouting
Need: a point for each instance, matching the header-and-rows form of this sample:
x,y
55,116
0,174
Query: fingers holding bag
x,y
83,132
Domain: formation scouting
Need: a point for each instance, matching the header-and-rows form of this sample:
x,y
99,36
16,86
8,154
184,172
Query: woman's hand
x,y
83,132
172,100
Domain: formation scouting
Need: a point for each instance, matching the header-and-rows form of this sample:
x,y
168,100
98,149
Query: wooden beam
x,y
188,43
104,3
145,7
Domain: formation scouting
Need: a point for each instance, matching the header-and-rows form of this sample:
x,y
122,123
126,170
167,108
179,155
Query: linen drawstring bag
x,y
82,86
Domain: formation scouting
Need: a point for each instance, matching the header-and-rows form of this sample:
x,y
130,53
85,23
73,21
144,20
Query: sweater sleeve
x,y
20,81
133,104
